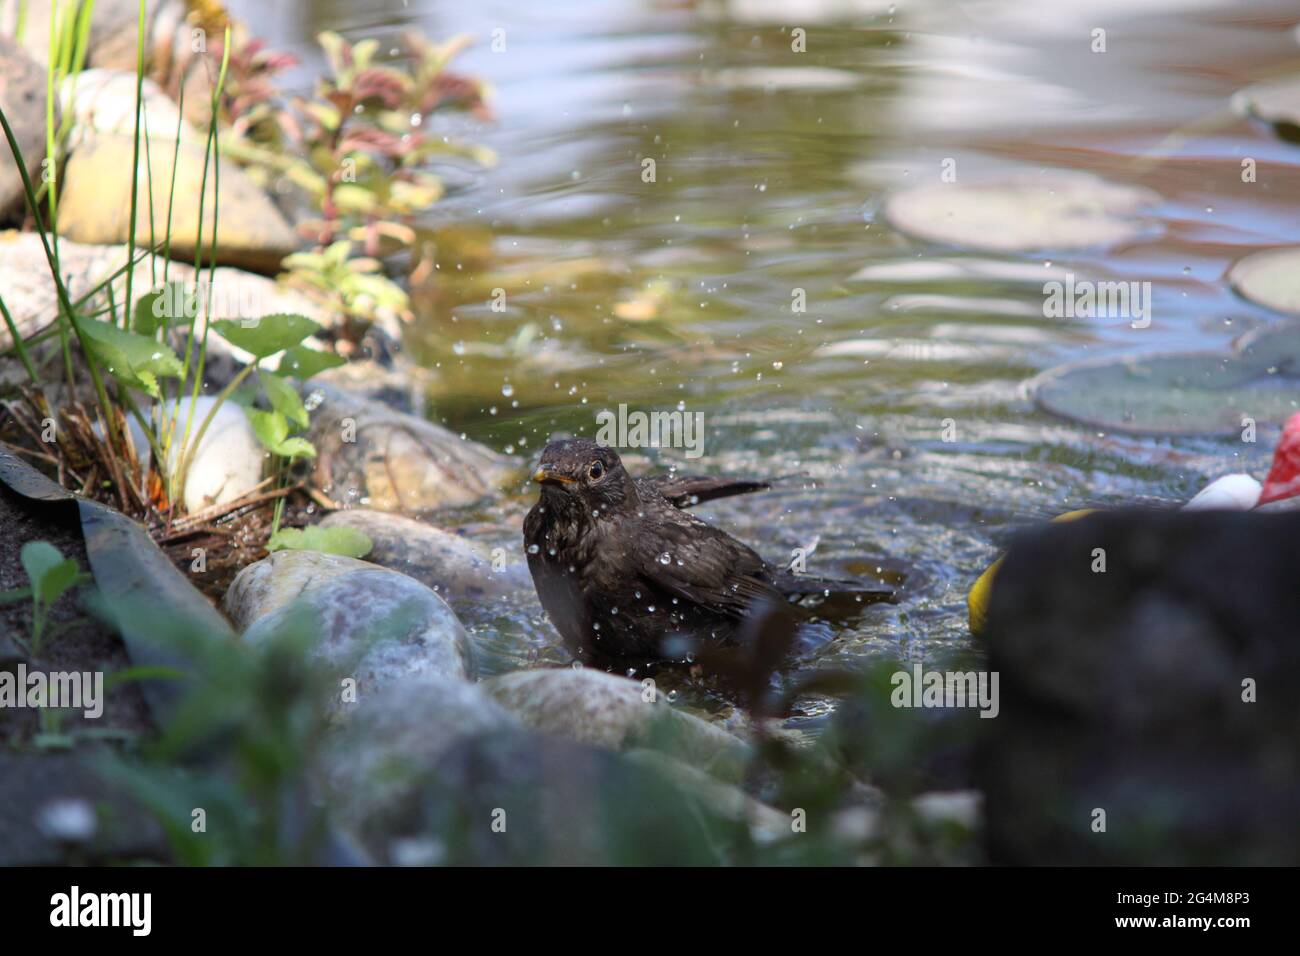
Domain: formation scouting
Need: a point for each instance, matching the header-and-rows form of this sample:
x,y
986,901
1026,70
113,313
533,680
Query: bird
x,y
1235,492
628,577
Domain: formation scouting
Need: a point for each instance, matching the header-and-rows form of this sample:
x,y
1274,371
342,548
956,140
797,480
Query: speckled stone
x,y
458,569
374,625
593,707
372,456
380,756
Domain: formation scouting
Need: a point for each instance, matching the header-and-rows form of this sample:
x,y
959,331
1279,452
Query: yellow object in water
x,y
980,595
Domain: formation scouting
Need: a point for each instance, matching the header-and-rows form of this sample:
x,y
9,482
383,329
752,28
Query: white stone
x,y
229,461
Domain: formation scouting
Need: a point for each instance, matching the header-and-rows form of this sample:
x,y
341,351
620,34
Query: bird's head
x,y
580,470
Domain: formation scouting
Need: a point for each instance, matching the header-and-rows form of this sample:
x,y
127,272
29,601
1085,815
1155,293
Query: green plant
x,y
136,354
360,151
51,576
340,539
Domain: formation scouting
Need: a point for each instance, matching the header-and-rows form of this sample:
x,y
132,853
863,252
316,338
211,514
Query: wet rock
x,y
229,460
276,581
370,455
22,96
1054,210
603,710
458,569
367,623
1157,692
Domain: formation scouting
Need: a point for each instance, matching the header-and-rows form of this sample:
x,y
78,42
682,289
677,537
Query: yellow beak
x,y
541,475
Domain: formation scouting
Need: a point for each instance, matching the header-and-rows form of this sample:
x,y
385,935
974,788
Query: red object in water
x,y
1283,479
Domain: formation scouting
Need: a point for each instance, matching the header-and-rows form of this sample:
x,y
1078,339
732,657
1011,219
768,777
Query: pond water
x,y
771,171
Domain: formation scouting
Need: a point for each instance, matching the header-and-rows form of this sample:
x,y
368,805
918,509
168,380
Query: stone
x,y
604,710
268,585
95,203
373,456
1157,692
563,803
765,823
367,623
229,461
30,293
102,102
378,758
458,569
22,96
113,40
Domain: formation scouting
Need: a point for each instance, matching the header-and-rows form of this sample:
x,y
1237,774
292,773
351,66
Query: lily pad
x,y
1270,278
1053,210
1192,393
1276,102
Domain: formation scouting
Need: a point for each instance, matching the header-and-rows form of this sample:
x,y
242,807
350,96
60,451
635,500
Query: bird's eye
x,y
596,471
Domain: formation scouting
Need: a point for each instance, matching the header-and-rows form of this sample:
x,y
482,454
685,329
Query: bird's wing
x,y
697,563
682,491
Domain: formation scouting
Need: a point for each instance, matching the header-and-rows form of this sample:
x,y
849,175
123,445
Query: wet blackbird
x,y
628,577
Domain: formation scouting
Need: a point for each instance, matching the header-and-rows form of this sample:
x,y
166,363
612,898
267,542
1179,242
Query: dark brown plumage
x,y
628,577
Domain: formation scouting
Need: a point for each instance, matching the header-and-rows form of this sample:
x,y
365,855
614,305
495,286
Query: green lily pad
x,y
1053,210
1270,278
1192,393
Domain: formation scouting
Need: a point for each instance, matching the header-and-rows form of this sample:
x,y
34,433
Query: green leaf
x,y
272,430
175,303
337,540
302,362
134,360
267,335
51,575
285,399
296,448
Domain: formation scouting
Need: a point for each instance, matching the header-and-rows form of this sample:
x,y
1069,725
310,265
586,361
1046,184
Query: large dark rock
x,y
1122,691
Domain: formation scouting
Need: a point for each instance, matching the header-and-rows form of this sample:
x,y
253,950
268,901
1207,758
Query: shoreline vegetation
x,y
183,403
231,514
